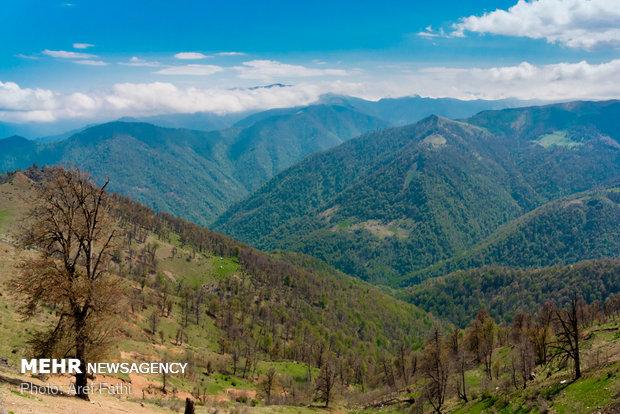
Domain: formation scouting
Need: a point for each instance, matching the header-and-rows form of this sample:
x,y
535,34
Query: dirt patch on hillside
x,y
378,229
169,275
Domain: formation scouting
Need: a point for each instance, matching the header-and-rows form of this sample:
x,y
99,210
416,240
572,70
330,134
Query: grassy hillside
x,y
552,389
394,202
231,311
164,167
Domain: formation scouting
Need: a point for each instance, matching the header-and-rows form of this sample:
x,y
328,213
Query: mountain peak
x,y
13,139
438,122
421,192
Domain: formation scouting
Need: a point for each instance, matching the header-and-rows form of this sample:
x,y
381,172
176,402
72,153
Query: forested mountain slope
x,y
505,291
271,144
577,227
389,203
229,310
163,167
194,174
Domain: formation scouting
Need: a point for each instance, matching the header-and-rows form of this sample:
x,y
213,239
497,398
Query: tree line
x,y
551,339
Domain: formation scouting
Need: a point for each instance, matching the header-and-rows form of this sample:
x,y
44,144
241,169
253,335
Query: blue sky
x,y
96,59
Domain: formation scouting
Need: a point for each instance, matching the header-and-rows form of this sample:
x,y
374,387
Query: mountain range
x,y
193,174
396,111
407,110
463,223
393,205
158,161
387,205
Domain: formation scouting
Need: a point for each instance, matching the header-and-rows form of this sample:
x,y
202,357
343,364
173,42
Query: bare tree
x,y
325,382
154,323
435,370
566,345
457,352
400,362
540,333
70,226
164,300
164,375
523,354
388,372
268,383
481,339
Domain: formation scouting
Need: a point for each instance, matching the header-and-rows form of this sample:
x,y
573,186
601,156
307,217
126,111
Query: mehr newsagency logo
x,y
73,366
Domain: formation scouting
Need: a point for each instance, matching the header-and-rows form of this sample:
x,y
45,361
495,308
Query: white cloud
x,y
91,62
22,105
430,33
82,45
561,81
270,69
136,61
12,97
196,70
131,99
160,97
67,55
22,56
190,56
586,24
230,54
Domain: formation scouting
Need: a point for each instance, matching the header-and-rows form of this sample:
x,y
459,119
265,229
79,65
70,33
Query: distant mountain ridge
x,y
201,121
390,203
394,111
272,144
410,109
193,174
244,149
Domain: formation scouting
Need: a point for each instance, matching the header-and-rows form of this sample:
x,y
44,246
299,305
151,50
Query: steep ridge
x,y
269,145
574,228
389,203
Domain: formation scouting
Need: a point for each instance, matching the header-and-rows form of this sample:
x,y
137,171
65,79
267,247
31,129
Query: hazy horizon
x,y
87,61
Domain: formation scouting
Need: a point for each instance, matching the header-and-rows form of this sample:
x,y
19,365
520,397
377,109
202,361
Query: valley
x,y
381,255
325,207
